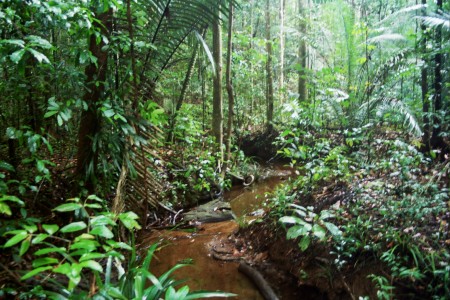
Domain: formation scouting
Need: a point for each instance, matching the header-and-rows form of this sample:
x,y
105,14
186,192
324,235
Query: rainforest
x,y
190,149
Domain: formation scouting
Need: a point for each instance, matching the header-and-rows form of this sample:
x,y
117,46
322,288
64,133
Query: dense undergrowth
x,y
370,194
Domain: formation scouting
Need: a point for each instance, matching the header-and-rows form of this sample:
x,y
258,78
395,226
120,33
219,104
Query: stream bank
x,y
215,252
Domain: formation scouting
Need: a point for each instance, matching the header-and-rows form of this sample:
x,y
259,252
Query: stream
x,y
207,273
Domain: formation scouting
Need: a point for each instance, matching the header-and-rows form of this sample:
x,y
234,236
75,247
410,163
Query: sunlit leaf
x,y
20,236
35,272
76,226
68,207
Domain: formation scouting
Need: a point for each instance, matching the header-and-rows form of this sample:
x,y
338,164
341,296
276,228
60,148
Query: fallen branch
x,y
264,288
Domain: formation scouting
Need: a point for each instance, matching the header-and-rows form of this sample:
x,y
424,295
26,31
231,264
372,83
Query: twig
x,y
13,275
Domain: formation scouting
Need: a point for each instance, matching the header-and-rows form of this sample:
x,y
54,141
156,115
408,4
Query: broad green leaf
x,y
84,236
129,220
319,231
50,228
68,207
109,113
102,231
95,198
120,245
39,238
304,242
19,43
50,250
325,214
35,272
5,209
50,113
75,226
17,55
102,220
290,220
30,228
38,41
39,56
87,245
11,199
90,256
20,236
24,246
92,264
93,205
334,230
44,261
5,166
63,269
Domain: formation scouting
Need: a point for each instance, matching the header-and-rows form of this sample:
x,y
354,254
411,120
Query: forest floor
x,y
395,219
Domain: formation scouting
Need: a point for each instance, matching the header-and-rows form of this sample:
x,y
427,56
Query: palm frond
x,y
400,109
170,23
437,20
404,11
387,37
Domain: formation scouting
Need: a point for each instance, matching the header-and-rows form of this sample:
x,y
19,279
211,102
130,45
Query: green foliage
x,y
80,249
309,226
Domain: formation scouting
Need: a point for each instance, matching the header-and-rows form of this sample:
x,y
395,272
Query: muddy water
x,y
206,273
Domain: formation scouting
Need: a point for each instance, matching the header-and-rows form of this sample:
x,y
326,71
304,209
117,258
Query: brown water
x,y
206,273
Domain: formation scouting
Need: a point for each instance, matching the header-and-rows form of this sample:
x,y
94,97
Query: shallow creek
x,y
206,273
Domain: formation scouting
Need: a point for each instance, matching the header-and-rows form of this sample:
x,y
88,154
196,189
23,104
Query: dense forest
x,y
119,116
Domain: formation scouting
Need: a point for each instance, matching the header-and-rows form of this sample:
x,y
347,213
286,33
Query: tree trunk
x,y
437,142
217,117
424,88
302,83
269,95
229,89
87,157
281,86
187,80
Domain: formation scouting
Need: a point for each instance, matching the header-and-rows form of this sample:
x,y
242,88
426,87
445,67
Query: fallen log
x,y
264,288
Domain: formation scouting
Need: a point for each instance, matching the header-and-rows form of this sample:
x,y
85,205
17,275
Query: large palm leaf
x,y
169,24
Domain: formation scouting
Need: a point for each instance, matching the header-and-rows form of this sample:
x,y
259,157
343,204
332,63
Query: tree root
x,y
264,288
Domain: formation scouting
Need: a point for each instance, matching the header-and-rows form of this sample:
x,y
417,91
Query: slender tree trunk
x,y
134,105
87,157
281,86
217,118
229,89
437,142
186,82
269,96
302,83
424,88
252,80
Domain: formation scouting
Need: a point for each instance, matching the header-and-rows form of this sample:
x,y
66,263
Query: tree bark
x,y
229,90
437,142
281,86
424,89
90,126
217,117
302,83
269,78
